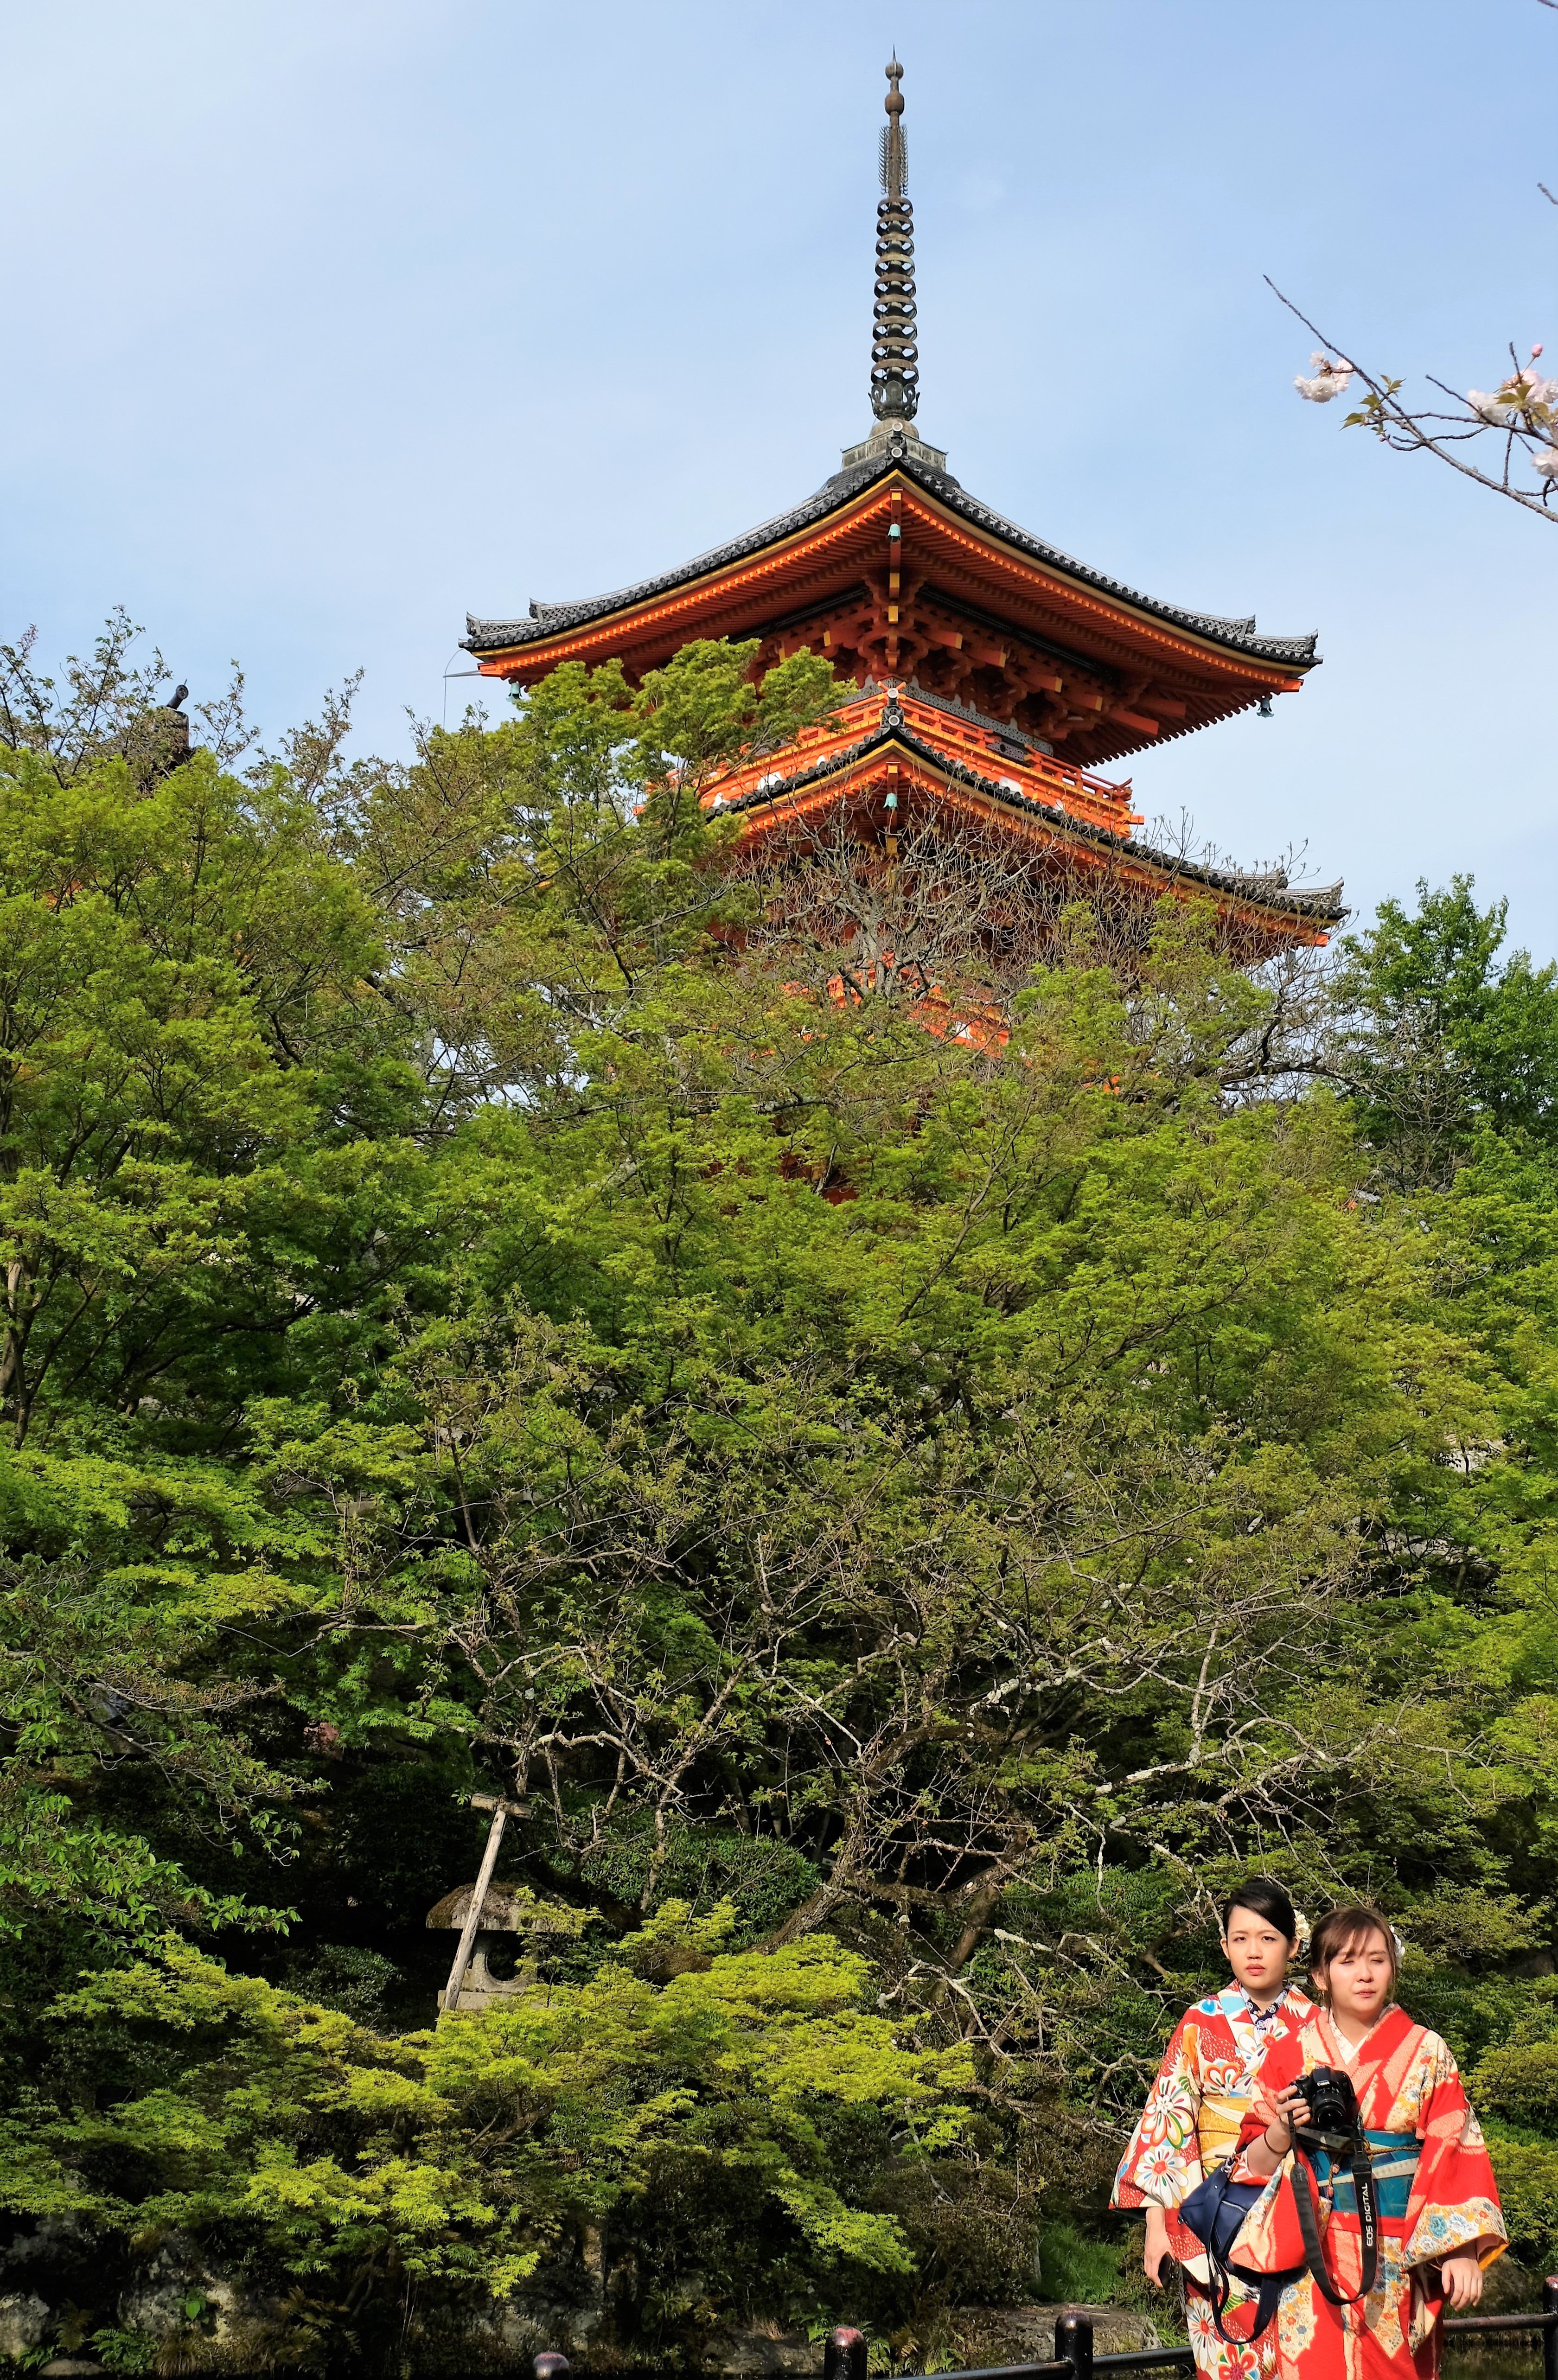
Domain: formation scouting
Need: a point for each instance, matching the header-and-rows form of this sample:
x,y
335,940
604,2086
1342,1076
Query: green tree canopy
x,y
915,1515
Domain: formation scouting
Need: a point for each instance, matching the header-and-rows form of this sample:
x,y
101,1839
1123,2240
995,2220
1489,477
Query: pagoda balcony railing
x,y
1001,757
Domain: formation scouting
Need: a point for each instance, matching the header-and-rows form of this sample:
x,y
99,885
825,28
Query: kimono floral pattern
x,y
1239,2358
1407,2081
1191,2123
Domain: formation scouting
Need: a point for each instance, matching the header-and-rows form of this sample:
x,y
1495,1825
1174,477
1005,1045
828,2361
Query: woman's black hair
x,y
1263,1898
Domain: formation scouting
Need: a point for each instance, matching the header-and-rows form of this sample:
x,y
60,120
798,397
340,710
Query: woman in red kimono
x,y
1191,2120
1439,2220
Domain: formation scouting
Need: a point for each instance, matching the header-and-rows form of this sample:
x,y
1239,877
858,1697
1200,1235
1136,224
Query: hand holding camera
x,y
1333,2118
1281,2111
1323,2103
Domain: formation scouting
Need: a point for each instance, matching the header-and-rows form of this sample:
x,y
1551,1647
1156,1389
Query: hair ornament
x,y
1400,1946
1303,1933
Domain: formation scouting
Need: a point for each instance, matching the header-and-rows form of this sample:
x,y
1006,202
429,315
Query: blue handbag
x,y
1216,2210
1215,2213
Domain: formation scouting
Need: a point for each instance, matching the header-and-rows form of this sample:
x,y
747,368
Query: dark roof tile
x,y
1269,888
549,619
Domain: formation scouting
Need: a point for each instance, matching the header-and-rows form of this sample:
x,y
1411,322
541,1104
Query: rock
x,y
769,2354
659,1962
156,2309
228,2304
23,2321
985,2335
64,2365
174,2276
519,2337
967,2337
52,2239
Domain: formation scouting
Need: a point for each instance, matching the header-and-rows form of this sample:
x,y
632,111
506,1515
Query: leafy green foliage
x,y
1445,1037
465,2155
913,1519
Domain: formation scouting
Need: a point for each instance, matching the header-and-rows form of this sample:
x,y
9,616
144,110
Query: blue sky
x,y
331,322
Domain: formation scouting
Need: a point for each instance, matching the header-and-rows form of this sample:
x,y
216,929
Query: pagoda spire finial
x,y
894,354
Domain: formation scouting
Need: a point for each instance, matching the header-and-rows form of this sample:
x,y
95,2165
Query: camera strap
x,y
1216,2221
1357,2161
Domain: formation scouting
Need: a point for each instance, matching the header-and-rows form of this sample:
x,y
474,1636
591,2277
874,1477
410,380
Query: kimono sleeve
x,y
1162,2162
1282,2064
1270,2241
1454,2204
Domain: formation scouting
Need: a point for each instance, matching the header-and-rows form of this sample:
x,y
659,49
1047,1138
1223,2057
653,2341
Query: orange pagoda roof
x,y
1002,666
980,610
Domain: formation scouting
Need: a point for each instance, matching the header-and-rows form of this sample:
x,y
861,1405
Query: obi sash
x,y
1217,2127
1394,2158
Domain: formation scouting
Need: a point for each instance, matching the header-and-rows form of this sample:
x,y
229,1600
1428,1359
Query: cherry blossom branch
x,y
1524,406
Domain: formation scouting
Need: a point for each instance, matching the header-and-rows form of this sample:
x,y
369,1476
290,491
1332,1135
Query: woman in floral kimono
x,y
1440,2221
1192,2117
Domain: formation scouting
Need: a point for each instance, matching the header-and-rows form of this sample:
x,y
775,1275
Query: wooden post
x,y
502,1811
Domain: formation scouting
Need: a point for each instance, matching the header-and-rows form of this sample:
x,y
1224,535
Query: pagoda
x,y
990,677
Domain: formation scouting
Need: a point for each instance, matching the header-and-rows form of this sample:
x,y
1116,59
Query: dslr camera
x,y
1332,2105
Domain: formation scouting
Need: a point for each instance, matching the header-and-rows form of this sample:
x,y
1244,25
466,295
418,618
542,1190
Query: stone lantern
x,y
506,1909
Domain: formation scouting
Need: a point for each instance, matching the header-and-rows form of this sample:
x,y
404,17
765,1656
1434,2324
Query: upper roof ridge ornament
x,y
895,139
895,384
894,354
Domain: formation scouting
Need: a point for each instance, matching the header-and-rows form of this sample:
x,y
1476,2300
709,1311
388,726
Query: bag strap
x,y
1357,2162
1218,2286
1220,2280
1217,2271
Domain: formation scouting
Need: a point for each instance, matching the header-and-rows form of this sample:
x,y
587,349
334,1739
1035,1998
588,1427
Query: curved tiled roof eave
x,y
1321,902
551,619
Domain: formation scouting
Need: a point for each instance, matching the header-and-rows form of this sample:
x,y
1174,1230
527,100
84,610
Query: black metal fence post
x,y
843,2354
1073,2344
844,2350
